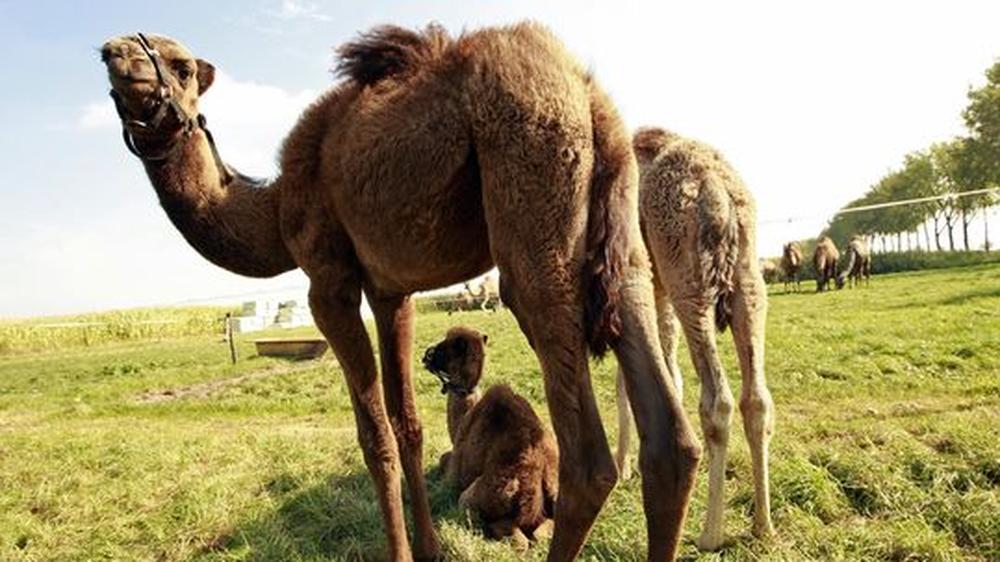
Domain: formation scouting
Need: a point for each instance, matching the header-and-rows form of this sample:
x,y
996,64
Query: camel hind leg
x,y
541,267
669,329
696,311
756,405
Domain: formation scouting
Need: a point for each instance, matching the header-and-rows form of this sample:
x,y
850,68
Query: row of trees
x,y
963,165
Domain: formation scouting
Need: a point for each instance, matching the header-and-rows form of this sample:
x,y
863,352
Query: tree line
x,y
964,165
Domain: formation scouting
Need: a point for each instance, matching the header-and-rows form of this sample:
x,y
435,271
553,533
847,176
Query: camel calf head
x,y
457,361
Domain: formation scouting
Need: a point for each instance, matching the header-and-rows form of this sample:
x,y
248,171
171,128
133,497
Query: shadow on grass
x,y
337,519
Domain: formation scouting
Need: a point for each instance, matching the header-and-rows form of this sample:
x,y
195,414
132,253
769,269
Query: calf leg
x,y
756,405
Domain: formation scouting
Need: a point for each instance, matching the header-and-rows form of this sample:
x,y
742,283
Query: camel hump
x,y
389,50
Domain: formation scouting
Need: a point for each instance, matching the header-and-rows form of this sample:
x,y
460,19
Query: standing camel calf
x,y
825,261
859,263
432,160
503,459
791,263
699,224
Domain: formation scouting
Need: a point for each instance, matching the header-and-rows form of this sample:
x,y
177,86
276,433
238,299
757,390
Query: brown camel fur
x,y
699,222
791,264
433,160
825,260
859,263
503,459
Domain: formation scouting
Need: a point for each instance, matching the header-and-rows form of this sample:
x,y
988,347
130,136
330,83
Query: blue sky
x,y
812,104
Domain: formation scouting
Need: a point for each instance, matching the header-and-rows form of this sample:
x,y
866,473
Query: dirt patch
x,y
211,388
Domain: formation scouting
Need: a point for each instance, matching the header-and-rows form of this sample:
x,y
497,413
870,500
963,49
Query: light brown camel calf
x,y
503,459
433,160
825,260
791,263
859,263
699,223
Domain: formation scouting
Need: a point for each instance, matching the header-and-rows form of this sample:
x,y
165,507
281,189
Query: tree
x,y
979,162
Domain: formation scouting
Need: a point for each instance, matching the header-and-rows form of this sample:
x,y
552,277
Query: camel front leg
x,y
335,300
394,321
756,405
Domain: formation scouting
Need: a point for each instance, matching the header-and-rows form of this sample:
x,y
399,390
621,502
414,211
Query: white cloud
x,y
249,120
98,115
295,9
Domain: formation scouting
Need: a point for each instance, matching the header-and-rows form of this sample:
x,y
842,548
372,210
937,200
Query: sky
x,y
812,103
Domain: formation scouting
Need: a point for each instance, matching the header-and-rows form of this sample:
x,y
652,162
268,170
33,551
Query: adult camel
x,y
434,159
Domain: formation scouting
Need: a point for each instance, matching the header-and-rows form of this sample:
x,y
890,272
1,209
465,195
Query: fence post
x,y
229,337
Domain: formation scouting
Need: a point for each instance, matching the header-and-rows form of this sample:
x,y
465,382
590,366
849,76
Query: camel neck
x,y
234,225
458,406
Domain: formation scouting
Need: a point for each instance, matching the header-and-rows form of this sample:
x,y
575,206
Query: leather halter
x,y
165,103
447,384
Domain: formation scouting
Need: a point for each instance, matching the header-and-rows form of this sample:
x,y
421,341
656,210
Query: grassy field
x,y
887,444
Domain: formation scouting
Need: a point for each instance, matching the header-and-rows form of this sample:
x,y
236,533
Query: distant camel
x,y
503,460
859,263
791,264
487,293
699,221
770,270
432,160
825,262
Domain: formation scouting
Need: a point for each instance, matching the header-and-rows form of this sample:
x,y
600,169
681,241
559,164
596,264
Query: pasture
x,y
886,444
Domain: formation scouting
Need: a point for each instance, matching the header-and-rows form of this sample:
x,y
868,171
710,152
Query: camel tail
x,y
387,51
607,236
718,245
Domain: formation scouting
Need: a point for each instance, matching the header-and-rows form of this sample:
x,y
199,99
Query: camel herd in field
x,y
436,159
826,259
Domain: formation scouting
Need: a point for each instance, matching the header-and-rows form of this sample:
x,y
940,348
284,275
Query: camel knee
x,y
583,489
757,408
672,459
715,418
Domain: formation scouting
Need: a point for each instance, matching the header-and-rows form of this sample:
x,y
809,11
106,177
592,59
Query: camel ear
x,y
206,75
485,339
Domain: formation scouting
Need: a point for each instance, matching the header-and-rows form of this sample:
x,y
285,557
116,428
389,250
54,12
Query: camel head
x,y
156,83
457,360
648,142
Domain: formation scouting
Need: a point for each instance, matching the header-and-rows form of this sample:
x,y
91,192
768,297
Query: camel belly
x,y
423,258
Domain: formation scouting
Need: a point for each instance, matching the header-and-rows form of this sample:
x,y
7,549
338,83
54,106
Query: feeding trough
x,y
291,348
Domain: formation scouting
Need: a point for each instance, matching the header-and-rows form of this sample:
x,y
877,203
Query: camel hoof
x,y
763,530
544,530
710,542
518,540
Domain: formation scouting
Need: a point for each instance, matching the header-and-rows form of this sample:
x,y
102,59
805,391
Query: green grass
x,y
886,447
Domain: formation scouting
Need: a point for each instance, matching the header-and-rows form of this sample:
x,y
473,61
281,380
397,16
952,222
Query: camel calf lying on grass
x,y
503,458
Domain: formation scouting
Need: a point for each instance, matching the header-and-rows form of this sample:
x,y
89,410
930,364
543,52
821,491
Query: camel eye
x,y
183,71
